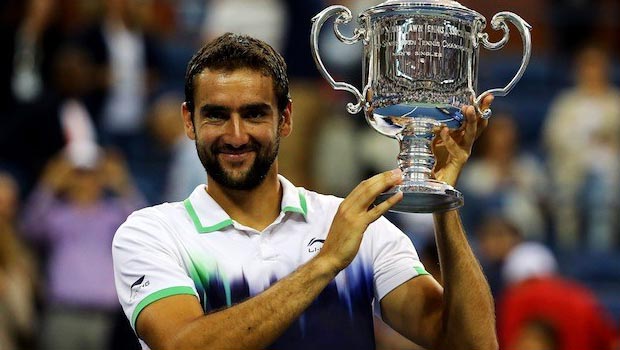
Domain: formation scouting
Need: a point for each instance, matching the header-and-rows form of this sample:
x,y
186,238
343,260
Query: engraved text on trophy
x,y
420,68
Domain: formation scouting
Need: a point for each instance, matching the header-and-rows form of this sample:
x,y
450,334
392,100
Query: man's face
x,y
236,126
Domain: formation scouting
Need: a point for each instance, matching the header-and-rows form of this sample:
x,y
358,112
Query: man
x,y
250,261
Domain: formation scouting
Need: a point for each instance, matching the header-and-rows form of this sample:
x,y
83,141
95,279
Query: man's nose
x,y
236,133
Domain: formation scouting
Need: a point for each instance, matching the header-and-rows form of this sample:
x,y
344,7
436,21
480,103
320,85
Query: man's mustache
x,y
229,149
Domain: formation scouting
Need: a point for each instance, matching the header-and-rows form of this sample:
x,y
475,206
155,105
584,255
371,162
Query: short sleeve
x,y
148,265
395,259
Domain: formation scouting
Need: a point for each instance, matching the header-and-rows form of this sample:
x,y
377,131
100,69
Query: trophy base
x,y
424,197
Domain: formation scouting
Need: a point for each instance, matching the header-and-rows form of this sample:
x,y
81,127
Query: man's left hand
x,y
452,148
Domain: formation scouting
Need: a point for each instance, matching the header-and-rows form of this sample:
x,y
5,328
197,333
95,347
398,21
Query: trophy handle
x,y
344,16
499,22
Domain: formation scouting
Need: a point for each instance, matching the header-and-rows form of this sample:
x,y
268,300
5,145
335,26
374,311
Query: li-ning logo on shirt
x,y
315,245
136,286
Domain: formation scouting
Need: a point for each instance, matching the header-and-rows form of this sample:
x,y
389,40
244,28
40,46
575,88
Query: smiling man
x,y
251,261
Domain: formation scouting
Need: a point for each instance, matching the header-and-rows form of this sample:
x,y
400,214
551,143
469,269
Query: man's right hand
x,y
354,215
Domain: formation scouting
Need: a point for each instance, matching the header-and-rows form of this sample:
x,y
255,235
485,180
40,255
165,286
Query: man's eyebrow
x,y
210,109
254,107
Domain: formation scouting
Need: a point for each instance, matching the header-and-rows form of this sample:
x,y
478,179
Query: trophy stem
x,y
421,193
416,158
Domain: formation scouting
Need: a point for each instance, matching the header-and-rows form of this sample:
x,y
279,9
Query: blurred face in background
x,y
500,140
497,237
592,69
85,185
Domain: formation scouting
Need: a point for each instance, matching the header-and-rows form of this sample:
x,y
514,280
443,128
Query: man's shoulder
x,y
164,211
152,220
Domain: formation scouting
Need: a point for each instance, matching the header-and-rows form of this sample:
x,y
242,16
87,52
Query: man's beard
x,y
247,180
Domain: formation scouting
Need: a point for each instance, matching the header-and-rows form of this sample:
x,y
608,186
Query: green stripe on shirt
x,y
157,296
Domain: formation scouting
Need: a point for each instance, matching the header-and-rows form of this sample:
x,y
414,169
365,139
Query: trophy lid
x,y
447,7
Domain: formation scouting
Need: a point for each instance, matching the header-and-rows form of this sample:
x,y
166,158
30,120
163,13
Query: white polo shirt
x,y
194,247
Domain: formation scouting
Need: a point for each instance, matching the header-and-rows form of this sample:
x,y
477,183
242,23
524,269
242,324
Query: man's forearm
x,y
469,314
260,320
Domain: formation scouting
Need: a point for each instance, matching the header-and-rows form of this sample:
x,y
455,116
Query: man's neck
x,y
256,208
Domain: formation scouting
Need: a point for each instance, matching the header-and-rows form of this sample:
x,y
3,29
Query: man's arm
x,y
178,322
467,296
461,315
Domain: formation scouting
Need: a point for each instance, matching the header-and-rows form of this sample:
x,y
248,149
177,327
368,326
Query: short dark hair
x,y
233,51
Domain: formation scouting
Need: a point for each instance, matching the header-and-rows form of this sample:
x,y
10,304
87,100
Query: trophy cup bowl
x,y
420,67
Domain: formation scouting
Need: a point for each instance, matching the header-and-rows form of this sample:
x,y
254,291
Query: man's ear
x,y
286,125
188,122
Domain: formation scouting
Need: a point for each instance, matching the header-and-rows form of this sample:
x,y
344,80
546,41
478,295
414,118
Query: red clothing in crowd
x,y
580,321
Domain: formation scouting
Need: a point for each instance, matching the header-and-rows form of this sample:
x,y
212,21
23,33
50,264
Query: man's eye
x,y
255,114
215,117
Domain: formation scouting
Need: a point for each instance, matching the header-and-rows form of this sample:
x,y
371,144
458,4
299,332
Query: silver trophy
x,y
420,67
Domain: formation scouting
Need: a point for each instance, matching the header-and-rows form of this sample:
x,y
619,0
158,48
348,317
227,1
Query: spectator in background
x,y
127,60
535,292
27,63
502,180
82,197
582,139
132,65
17,274
184,171
44,70
28,128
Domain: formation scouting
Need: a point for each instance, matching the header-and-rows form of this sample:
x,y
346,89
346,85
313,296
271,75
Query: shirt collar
x,y
208,216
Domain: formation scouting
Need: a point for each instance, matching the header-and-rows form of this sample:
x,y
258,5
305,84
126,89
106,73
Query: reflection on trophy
x,y
420,68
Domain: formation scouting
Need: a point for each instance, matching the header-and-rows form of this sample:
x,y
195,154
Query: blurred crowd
x,y
90,130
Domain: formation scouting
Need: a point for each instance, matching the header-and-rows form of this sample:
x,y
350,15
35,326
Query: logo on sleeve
x,y
137,286
315,245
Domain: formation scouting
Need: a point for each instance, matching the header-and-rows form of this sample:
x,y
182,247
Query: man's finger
x,y
384,206
482,122
486,102
451,146
365,193
471,125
